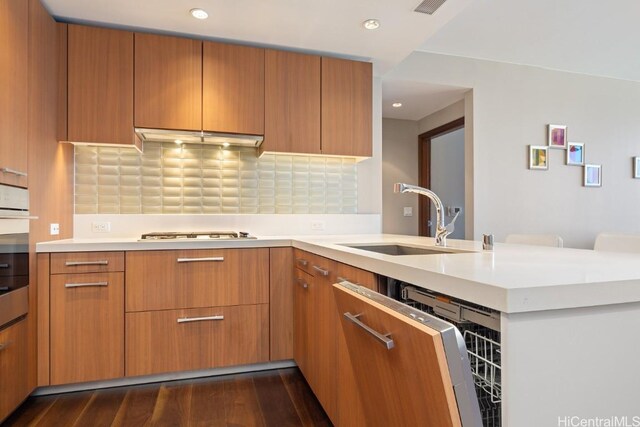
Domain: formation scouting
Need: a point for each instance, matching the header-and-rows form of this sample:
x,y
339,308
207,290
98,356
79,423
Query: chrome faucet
x,y
442,231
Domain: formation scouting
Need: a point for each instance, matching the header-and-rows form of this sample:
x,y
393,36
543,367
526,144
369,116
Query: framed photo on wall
x,y
593,175
636,167
538,157
575,153
557,136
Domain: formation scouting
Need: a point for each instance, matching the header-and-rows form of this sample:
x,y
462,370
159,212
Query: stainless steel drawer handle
x,y
302,262
4,345
342,279
213,258
13,171
86,285
382,339
4,265
81,263
321,270
303,283
199,319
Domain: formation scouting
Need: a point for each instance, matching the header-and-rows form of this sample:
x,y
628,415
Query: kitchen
x,y
318,172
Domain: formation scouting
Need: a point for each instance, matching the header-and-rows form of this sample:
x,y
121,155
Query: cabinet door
x,y
301,321
14,387
281,276
100,85
292,103
87,327
202,338
346,107
168,82
13,91
408,384
164,280
232,88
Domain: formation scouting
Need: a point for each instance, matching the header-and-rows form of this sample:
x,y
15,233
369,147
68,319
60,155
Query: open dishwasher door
x,y
411,368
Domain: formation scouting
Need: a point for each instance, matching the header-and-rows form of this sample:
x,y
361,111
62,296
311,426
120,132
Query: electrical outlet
x,y
101,227
408,211
54,229
317,225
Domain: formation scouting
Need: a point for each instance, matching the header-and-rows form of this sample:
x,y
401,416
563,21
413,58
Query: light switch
x,y
408,211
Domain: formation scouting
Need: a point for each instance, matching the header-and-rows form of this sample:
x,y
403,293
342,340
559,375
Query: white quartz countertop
x,y
511,278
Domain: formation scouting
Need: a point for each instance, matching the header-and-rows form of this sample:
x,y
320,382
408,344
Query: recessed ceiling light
x,y
178,141
396,104
199,13
371,24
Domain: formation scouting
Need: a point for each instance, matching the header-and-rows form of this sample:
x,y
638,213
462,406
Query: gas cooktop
x,y
196,235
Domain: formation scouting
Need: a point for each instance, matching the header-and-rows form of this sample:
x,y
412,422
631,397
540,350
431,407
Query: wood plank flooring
x,y
271,398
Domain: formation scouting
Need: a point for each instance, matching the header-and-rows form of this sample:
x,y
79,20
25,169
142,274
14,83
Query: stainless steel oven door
x,y
14,253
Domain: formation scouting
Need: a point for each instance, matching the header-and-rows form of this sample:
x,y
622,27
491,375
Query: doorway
x,y
441,169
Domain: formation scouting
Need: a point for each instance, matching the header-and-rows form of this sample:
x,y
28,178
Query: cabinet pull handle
x,y
4,345
213,258
80,263
303,283
13,171
382,339
199,319
86,285
321,270
342,279
302,262
4,265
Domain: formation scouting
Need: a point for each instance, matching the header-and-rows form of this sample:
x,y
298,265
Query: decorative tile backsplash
x,y
194,179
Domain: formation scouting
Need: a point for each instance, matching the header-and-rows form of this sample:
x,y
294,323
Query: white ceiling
x,y
333,26
418,99
570,35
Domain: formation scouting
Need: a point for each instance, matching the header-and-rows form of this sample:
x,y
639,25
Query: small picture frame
x,y
538,157
593,175
575,153
636,167
557,136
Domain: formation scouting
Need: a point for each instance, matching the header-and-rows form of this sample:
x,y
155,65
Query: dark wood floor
x,y
271,398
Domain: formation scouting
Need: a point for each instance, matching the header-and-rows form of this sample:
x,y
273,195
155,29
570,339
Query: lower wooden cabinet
x,y
87,327
192,339
14,387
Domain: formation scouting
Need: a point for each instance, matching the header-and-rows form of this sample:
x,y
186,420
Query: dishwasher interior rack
x,y
480,327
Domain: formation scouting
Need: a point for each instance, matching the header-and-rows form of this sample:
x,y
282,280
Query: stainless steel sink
x,y
396,250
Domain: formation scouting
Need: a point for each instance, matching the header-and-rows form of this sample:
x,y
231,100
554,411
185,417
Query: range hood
x,y
199,137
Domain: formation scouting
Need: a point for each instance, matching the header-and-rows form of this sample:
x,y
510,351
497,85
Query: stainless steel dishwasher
x,y
480,327
411,367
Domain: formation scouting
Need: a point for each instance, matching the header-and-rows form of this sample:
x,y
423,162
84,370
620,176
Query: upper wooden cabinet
x,y
168,82
14,38
346,107
100,85
292,103
232,88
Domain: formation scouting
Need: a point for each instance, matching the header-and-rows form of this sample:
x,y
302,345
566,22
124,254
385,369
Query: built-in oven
x,y
14,253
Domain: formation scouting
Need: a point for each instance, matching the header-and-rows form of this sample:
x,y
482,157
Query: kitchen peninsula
x,y
562,311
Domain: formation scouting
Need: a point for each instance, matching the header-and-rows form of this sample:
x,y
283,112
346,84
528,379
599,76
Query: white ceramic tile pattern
x,y
194,179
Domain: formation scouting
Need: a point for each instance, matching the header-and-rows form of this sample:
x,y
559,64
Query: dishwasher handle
x,y
383,339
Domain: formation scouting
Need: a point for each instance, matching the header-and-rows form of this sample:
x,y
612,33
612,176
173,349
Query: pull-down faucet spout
x,y
441,231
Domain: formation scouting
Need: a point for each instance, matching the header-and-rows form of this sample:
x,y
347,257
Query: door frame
x,y
424,169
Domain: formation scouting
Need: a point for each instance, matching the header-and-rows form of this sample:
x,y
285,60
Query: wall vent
x,y
429,6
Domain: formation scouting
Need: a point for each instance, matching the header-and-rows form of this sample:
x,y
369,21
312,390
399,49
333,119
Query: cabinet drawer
x,y
86,262
185,340
13,367
14,265
87,327
315,265
165,280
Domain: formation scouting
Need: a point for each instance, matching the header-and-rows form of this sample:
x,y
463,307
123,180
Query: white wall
x,y
441,117
399,164
370,170
512,104
447,178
